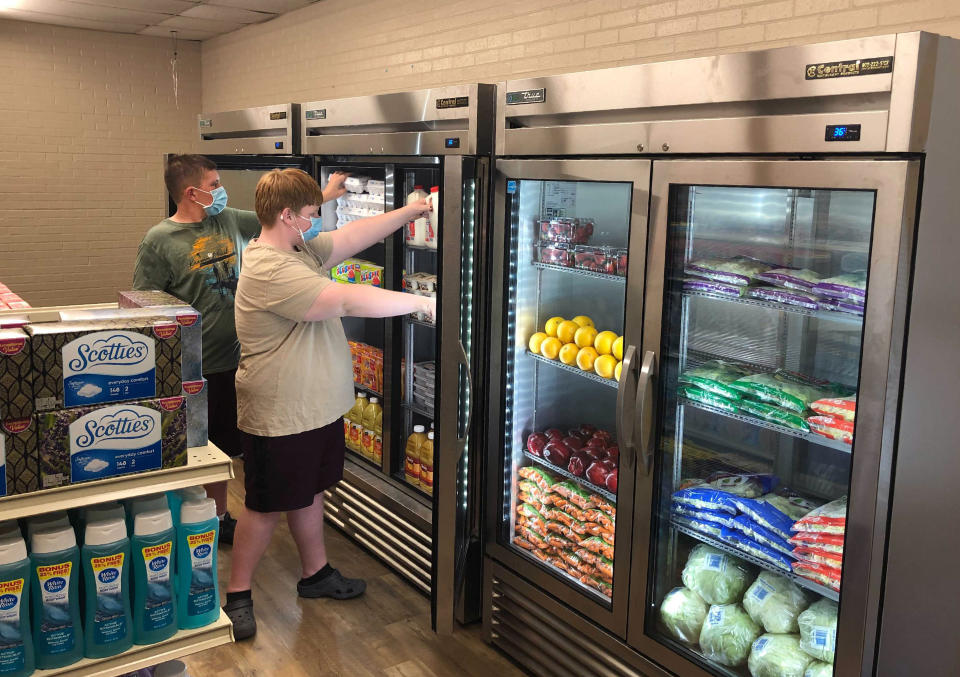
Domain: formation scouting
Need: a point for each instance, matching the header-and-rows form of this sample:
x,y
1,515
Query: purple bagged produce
x,y
790,278
713,287
740,270
785,296
851,286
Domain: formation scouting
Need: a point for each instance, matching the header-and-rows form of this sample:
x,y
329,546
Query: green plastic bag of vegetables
x,y
818,669
683,612
818,630
778,391
714,377
775,603
717,577
777,656
727,634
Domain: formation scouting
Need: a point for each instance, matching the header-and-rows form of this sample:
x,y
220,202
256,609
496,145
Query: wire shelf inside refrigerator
x,y
575,370
720,545
579,271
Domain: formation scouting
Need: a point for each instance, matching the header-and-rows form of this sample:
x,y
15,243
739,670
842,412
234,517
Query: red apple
x,y
596,453
611,481
555,434
557,453
536,442
613,454
588,429
575,432
597,473
603,435
578,463
575,443
594,442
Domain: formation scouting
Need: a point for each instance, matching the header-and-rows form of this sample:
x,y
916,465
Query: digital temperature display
x,y
842,133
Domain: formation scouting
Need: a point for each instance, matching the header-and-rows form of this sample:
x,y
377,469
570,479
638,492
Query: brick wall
x,y
85,118
340,48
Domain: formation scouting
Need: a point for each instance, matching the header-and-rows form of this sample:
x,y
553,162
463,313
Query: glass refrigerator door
x,y
566,450
761,384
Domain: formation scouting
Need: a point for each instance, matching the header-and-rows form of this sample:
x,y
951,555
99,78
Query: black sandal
x,y
334,586
240,612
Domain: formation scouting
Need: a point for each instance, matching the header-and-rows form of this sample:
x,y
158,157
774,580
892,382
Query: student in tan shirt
x,y
295,378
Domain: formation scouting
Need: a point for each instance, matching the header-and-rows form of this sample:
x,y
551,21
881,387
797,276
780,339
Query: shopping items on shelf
x,y
421,284
584,452
579,343
358,271
566,229
819,543
367,366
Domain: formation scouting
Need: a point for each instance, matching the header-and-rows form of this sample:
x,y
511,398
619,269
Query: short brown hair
x,y
183,171
282,188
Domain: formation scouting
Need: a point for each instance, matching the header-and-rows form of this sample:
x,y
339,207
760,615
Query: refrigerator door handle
x,y
462,441
624,428
644,409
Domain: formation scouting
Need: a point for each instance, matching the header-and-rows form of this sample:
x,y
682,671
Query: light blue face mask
x,y
316,226
219,196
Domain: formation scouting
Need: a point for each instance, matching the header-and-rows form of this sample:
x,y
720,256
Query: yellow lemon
x,y
617,370
583,321
535,341
584,336
550,347
566,331
586,358
552,324
604,342
568,354
605,365
618,348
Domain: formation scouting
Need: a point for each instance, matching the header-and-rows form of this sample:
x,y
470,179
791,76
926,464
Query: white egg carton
x,y
375,187
361,201
356,184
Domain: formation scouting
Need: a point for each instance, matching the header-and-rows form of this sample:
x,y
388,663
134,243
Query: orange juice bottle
x,y
378,438
426,464
369,422
411,464
355,416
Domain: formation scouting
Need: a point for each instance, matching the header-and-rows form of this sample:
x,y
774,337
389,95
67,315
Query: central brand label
x,y
108,366
453,102
114,441
846,69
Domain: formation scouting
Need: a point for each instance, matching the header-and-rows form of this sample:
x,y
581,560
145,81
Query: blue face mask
x,y
316,226
219,196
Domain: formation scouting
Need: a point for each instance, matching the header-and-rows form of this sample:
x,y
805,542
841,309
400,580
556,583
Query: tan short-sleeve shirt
x,y
294,375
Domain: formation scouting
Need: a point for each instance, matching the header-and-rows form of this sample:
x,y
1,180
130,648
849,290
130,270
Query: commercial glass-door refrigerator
x,y
422,521
705,271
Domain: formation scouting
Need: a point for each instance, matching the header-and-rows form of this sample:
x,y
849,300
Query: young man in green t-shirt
x,y
195,255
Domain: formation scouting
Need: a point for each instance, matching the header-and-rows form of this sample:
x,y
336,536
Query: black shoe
x,y
334,585
240,613
227,526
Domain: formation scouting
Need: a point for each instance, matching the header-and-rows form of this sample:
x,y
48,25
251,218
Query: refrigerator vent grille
x,y
544,644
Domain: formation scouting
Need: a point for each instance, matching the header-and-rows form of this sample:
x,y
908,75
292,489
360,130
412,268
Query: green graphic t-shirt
x,y
199,263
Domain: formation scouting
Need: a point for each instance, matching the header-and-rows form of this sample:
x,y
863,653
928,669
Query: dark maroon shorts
x,y
222,412
287,472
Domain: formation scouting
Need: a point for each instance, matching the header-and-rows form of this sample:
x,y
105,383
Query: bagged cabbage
x,y
740,270
727,634
829,519
785,296
790,278
849,286
751,547
842,306
779,389
708,398
705,499
774,414
683,612
790,503
748,486
777,656
713,377
714,287
717,517
764,514
818,669
775,603
717,577
818,630
751,529
707,528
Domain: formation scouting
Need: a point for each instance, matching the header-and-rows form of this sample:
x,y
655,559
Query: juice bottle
x,y
369,423
426,464
411,464
355,416
378,438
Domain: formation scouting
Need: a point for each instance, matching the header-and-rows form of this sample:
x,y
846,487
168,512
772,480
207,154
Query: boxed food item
x,y
371,273
105,360
195,393
621,254
566,229
92,443
156,303
347,271
16,375
555,254
595,259
19,462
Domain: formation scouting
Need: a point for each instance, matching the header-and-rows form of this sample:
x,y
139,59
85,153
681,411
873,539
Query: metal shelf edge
x,y
579,271
183,643
590,376
205,465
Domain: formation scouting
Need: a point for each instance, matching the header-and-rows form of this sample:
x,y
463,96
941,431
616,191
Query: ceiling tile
x,y
182,34
164,6
200,24
233,14
71,22
77,10
275,6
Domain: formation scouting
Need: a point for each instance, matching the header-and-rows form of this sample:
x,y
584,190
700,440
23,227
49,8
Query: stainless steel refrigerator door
x,y
628,181
464,187
893,185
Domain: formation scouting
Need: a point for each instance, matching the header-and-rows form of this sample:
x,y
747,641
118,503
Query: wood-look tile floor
x,y
386,632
